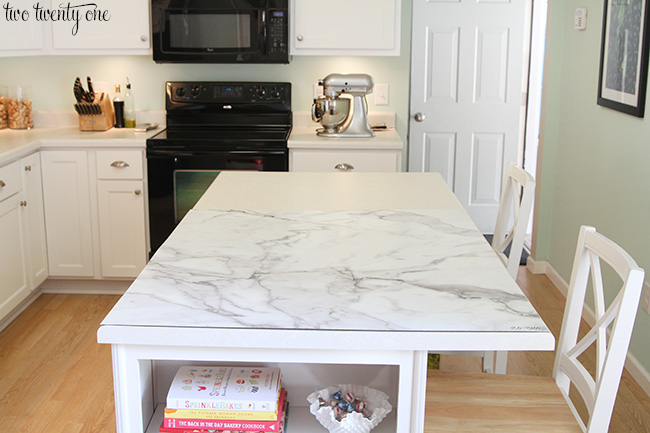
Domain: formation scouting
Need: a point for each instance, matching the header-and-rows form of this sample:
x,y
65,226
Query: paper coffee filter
x,y
377,406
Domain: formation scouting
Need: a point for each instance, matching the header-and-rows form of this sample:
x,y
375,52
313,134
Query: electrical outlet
x,y
381,94
318,91
645,298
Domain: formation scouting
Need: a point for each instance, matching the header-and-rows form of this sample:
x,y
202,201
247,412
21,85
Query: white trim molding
x,y
633,366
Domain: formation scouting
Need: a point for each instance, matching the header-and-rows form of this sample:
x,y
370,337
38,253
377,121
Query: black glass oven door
x,y
176,181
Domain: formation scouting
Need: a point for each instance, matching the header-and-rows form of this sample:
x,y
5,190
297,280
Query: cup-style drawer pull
x,y
344,167
120,164
2,184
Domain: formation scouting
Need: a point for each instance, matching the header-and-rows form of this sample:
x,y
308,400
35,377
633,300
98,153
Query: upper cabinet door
x,y
344,27
104,25
19,37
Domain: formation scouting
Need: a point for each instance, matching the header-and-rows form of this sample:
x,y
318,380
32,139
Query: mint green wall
x,y
51,77
595,162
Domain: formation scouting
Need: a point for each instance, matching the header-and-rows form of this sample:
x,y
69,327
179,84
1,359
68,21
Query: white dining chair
x,y
507,403
512,219
515,206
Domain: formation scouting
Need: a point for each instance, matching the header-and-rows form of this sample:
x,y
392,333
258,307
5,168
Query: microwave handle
x,y
263,33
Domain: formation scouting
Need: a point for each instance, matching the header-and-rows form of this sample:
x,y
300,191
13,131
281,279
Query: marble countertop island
x,y
310,272
318,259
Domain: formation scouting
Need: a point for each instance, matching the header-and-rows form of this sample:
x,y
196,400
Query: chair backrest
x,y
514,212
599,391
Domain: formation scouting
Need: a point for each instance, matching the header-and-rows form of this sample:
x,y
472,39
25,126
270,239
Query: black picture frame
x,y
623,78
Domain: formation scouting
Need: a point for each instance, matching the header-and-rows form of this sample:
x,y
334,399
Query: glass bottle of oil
x,y
129,106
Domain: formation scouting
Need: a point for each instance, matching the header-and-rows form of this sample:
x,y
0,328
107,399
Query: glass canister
x,y
3,107
20,108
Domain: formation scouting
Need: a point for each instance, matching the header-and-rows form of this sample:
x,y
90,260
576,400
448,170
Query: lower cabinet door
x,y
13,266
37,270
122,227
66,195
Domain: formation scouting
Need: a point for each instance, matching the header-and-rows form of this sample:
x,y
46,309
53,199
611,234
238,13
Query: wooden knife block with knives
x,y
97,115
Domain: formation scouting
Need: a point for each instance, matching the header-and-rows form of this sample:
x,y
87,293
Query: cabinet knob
x,y
143,38
23,203
2,184
344,167
28,168
119,164
137,192
300,38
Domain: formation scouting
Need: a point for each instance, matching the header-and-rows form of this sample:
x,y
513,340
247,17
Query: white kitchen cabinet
x,y
34,214
66,194
344,27
20,36
105,25
14,286
95,212
345,160
309,152
121,206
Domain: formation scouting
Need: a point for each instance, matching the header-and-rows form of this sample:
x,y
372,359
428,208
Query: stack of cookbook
x,y
226,400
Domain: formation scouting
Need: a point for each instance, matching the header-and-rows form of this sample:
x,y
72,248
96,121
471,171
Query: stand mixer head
x,y
333,111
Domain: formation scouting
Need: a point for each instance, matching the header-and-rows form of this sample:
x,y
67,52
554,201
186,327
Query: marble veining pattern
x,y
415,270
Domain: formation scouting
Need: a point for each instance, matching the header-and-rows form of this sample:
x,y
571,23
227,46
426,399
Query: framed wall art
x,y
624,56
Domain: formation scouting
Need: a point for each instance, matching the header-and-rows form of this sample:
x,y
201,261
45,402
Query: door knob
x,y
419,117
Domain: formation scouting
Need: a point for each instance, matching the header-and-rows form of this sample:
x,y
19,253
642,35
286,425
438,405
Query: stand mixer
x,y
334,112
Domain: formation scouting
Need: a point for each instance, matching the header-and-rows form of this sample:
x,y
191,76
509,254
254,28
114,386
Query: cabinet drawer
x,y
9,180
344,160
119,164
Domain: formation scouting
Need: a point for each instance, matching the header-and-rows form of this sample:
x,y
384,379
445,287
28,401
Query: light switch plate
x,y
580,20
381,94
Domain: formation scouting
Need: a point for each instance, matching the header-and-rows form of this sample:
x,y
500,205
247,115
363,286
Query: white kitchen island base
x,y
333,278
142,375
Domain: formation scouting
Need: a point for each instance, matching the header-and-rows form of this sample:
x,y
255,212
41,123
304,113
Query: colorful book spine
x,y
172,422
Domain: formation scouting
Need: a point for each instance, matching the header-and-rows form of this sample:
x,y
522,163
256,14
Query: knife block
x,y
97,115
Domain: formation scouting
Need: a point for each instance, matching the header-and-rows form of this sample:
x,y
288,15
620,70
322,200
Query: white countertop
x,y
295,277
16,143
303,135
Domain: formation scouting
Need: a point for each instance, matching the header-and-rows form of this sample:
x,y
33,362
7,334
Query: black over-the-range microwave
x,y
220,31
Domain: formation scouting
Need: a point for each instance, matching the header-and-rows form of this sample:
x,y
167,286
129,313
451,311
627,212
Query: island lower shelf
x,y
300,421
143,374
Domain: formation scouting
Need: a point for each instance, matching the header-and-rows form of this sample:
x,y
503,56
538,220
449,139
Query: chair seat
x,y
478,402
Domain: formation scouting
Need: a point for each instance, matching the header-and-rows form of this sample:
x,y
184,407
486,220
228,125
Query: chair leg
x,y
500,362
495,362
488,362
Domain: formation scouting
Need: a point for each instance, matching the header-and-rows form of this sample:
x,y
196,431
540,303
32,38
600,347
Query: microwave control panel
x,y
278,31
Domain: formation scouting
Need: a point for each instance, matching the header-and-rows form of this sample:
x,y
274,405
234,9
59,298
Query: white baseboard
x,y
632,365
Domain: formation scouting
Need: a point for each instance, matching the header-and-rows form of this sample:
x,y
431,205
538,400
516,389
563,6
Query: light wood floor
x,y
54,377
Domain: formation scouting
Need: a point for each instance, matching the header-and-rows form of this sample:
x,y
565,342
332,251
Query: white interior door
x,y
468,79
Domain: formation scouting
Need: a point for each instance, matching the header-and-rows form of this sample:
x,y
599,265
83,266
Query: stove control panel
x,y
221,92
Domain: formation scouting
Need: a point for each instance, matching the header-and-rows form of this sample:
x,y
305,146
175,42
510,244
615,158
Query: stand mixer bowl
x,y
331,113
